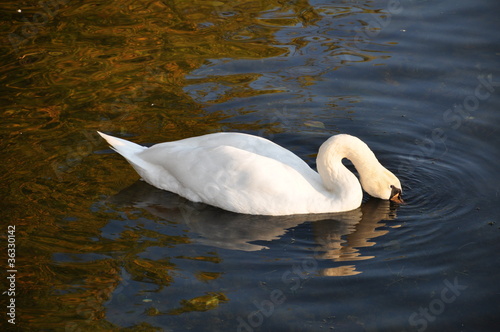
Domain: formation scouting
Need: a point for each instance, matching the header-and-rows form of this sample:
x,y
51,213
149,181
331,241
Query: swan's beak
x,y
397,199
396,196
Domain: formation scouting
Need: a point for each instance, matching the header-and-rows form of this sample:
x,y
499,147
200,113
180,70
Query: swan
x,y
248,174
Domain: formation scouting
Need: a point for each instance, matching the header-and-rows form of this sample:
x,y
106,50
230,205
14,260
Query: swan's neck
x,y
336,177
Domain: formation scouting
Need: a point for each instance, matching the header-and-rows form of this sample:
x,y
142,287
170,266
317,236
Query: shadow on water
x,y
337,237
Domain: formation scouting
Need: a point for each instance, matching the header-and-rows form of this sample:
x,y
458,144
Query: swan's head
x,y
383,184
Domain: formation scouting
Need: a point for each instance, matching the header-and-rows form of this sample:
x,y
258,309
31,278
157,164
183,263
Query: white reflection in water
x,y
337,236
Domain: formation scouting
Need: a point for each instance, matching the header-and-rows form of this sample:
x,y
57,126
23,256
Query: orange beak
x,y
397,198
396,195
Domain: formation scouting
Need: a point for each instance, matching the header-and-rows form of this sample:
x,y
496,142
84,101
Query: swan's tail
x,y
125,148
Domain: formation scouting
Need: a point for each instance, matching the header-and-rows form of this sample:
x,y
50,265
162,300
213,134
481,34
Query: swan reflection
x,y
338,236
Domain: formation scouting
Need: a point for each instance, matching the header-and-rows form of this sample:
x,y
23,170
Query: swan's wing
x,y
246,142
230,178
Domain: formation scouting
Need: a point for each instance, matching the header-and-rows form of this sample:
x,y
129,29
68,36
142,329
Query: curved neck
x,y
336,177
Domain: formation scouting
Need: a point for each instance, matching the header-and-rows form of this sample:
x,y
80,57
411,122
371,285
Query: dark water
x,y
95,249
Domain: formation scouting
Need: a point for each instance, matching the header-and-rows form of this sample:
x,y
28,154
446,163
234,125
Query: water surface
x,y
96,249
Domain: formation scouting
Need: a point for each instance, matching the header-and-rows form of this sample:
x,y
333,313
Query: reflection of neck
x,y
341,242
374,211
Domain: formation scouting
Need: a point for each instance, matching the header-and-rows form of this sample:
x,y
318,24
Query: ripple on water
x,y
438,188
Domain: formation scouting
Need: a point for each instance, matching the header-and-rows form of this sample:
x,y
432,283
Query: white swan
x,y
248,174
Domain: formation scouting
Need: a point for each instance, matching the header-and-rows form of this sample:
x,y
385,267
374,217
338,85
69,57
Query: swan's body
x,y
249,174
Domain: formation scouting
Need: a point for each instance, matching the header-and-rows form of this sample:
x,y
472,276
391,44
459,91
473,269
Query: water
x,y
96,249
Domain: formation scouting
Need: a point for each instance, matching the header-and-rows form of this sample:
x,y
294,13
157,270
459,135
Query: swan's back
x,y
253,144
